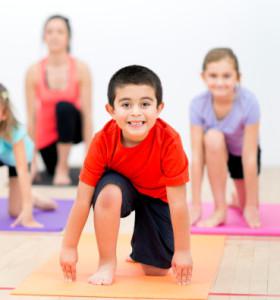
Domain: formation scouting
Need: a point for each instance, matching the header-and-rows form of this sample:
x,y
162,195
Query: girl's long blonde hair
x,y
7,125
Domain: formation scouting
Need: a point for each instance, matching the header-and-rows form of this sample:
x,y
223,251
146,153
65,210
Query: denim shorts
x,y
152,241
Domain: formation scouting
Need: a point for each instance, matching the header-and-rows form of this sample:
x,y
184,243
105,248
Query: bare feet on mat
x,y
61,178
195,214
104,275
216,219
252,216
43,203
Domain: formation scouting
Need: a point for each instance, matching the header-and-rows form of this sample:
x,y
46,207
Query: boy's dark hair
x,y
134,74
67,23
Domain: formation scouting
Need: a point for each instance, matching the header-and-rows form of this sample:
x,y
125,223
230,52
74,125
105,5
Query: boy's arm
x,y
182,261
74,227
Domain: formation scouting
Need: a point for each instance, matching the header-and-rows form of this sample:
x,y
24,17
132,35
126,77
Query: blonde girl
x,y
16,151
225,137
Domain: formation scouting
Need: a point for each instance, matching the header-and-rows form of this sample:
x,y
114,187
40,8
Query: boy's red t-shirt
x,y
152,165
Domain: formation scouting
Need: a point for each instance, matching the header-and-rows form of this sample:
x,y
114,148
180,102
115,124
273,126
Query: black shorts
x,y
12,170
235,166
69,128
152,241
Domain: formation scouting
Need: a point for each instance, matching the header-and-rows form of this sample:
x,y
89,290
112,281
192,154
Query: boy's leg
x,y
216,161
152,241
113,198
106,222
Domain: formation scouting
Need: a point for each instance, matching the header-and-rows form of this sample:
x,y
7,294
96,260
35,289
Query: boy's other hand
x,y
182,266
68,261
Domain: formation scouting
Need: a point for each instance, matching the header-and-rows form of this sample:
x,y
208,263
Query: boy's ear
x,y
109,109
160,107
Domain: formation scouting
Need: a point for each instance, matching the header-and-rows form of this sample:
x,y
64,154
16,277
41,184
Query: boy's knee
x,y
109,197
214,140
154,271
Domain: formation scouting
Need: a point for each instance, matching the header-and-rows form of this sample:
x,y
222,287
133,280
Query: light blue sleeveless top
x,y
6,147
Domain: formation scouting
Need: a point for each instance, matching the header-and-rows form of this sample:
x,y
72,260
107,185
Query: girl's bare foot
x,y
195,214
252,216
104,275
216,219
43,203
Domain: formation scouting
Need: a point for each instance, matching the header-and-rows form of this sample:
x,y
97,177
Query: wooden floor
x,y
250,265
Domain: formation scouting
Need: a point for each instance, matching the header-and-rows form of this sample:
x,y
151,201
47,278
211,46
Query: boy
x,y
136,162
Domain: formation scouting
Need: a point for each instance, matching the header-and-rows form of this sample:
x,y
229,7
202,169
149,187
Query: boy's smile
x,y
135,111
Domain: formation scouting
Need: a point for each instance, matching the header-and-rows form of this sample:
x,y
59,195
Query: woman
x,y
58,94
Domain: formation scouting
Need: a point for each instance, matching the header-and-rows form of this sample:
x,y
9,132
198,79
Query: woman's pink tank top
x,y
46,100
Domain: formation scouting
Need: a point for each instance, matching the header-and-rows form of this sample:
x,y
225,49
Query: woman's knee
x,y
109,197
214,140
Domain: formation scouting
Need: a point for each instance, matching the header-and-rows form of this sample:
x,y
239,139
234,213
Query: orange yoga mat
x,y
130,281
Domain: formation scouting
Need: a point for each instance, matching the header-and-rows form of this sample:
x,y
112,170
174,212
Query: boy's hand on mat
x,y
25,218
68,261
182,266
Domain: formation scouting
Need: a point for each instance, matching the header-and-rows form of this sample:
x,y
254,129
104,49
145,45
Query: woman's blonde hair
x,y
7,125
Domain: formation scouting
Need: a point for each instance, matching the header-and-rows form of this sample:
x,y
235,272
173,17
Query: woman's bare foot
x,y
195,214
104,275
216,219
252,216
61,178
43,203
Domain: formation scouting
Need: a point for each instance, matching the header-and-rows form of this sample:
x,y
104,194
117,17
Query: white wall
x,y
171,37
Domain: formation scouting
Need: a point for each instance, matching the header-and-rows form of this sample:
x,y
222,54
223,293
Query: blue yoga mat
x,y
53,221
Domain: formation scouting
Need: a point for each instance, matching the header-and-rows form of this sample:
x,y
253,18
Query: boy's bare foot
x,y
61,178
252,216
216,219
195,214
43,203
130,260
104,275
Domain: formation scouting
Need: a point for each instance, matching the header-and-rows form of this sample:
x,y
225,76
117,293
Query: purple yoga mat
x,y
53,220
235,224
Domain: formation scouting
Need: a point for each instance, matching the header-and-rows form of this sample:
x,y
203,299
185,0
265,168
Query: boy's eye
x,y
212,75
125,105
145,104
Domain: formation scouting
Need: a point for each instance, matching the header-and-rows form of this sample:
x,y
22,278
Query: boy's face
x,y
135,111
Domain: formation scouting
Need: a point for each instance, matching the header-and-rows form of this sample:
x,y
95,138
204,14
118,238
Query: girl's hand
x,y
25,218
